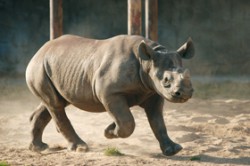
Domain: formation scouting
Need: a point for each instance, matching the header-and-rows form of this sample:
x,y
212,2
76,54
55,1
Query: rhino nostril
x,y
177,94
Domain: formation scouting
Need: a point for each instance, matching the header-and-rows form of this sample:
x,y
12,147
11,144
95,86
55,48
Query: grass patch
x,y
4,163
195,158
112,152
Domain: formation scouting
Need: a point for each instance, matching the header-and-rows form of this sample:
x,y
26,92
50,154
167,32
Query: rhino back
x,y
85,70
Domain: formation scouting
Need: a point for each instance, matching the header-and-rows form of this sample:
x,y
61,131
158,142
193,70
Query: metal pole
x,y
134,17
151,16
56,19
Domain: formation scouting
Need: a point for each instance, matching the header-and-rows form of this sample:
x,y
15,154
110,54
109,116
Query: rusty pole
x,y
134,17
56,18
151,19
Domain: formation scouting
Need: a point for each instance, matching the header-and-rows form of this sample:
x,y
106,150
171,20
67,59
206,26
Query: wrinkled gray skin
x,y
107,75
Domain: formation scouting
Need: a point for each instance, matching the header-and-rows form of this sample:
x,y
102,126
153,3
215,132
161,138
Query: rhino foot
x,y
109,131
172,149
78,147
37,147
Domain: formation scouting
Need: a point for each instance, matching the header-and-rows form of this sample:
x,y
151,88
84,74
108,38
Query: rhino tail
x,y
31,117
38,110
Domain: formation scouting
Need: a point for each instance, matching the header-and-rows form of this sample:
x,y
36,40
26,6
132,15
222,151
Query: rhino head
x,y
162,70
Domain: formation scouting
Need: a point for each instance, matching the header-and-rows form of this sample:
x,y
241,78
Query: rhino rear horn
x,y
159,48
187,50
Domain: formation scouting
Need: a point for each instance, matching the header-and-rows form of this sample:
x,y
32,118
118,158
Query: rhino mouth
x,y
175,98
181,96
178,100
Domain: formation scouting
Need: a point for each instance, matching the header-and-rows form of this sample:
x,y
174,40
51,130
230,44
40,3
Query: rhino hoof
x,y
109,134
109,131
38,147
172,150
83,147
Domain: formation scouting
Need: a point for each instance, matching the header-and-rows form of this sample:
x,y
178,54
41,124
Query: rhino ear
x,y
187,50
145,52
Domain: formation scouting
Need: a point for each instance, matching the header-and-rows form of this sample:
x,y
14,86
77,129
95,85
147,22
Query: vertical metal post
x,y
134,17
151,19
56,19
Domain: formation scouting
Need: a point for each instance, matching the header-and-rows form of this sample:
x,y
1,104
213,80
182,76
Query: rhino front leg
x,y
124,124
39,119
153,107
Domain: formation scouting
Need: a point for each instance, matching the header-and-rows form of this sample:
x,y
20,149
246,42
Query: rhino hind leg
x,y
54,103
39,119
75,143
124,124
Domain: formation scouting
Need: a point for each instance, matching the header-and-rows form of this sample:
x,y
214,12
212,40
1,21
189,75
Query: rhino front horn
x,y
186,74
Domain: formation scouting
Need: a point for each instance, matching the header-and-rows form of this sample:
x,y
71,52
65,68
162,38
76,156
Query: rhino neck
x,y
144,75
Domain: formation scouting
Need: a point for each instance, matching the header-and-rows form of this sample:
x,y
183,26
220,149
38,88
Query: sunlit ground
x,y
213,126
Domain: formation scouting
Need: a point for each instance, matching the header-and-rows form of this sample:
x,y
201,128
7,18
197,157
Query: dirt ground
x,y
215,129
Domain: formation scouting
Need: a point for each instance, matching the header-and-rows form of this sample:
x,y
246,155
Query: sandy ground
x,y
216,130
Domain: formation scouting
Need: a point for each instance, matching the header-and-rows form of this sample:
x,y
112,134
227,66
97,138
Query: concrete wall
x,y
219,28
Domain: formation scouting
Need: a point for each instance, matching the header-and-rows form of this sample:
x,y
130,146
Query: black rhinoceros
x,y
109,75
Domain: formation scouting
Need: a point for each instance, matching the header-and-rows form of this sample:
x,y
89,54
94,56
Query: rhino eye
x,y
166,83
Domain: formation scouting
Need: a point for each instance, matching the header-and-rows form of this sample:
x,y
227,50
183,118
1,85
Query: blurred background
x,y
220,30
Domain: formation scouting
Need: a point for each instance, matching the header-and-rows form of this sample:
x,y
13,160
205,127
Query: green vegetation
x,y
195,158
4,163
112,152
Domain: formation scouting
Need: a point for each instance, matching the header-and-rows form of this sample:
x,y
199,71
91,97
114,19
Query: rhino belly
x,y
81,98
89,106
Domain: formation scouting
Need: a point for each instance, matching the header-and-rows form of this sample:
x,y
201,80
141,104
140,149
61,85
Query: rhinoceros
x,y
111,76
